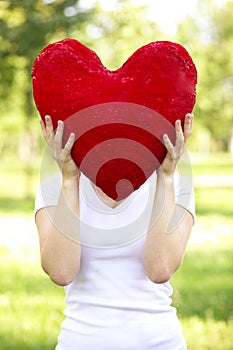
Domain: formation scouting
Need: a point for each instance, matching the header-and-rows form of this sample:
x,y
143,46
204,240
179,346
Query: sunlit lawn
x,y
31,307
204,285
215,164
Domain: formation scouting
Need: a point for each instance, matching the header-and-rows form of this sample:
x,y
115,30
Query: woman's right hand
x,y
62,155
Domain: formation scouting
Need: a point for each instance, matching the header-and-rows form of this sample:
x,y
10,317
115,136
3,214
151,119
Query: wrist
x,y
70,180
165,176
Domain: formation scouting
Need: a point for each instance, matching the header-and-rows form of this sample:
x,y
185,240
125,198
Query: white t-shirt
x,y
112,304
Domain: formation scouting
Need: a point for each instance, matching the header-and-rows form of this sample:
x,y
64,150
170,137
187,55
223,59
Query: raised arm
x,y
171,224
58,227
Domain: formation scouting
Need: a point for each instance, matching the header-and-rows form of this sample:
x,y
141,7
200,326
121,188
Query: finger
x,y
69,144
58,137
169,146
179,135
49,127
42,124
188,125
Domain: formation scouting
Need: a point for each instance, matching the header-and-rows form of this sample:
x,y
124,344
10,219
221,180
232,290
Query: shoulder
x,y
48,192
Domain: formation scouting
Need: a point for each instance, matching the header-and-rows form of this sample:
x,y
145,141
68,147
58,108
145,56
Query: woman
x,y
117,286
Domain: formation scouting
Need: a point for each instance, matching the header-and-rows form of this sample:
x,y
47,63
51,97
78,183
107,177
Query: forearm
x,y
165,241
60,250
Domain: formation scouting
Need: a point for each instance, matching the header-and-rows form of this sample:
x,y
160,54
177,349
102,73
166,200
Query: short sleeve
x,y
184,193
48,192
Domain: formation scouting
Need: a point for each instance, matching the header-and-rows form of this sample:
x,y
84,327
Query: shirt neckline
x,y
93,200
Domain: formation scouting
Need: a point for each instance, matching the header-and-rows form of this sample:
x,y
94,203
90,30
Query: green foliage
x,y
209,34
24,31
114,35
117,33
31,306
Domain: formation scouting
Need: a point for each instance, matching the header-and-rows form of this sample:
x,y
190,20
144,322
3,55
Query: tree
x,y
25,28
211,36
114,34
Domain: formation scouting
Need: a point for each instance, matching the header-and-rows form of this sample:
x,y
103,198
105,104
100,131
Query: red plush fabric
x,y
118,116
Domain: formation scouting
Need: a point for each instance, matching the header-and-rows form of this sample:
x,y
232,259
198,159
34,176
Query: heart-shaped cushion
x,y
118,116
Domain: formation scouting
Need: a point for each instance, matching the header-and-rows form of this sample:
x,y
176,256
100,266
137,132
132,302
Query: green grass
x,y
214,201
204,288
16,206
211,266
18,184
216,164
207,335
32,306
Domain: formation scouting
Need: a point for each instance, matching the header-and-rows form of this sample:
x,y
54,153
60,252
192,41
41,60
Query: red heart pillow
x,y
118,116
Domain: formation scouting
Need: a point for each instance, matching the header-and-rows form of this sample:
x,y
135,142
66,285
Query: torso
x,y
112,304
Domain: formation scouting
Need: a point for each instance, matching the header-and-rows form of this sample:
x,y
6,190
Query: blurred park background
x,y
31,307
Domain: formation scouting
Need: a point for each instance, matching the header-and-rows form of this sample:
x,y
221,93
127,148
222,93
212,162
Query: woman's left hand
x,y
174,152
